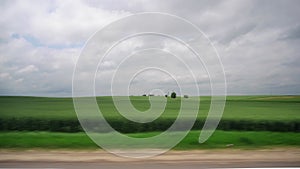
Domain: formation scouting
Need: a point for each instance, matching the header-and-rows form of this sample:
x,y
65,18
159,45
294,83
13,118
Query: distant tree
x,y
144,95
186,96
166,95
173,95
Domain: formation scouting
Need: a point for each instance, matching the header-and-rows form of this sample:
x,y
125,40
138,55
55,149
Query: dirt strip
x,y
222,156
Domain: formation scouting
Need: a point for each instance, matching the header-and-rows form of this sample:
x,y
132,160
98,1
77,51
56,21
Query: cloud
x,y
257,41
28,69
291,34
54,22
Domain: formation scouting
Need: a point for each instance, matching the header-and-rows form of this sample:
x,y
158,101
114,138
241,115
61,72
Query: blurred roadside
x,y
277,157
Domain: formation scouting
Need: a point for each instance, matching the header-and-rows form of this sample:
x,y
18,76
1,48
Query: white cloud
x,y
4,76
28,69
55,22
257,41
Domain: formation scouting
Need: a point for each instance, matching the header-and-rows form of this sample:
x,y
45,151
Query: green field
x,y
247,122
220,139
237,107
269,113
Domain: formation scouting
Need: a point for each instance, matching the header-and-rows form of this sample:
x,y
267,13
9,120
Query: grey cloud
x,y
292,34
236,32
257,42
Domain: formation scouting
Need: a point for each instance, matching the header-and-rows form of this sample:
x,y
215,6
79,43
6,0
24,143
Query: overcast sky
x,y
40,41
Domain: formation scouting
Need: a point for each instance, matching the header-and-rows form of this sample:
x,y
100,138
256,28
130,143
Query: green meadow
x,y
281,108
247,122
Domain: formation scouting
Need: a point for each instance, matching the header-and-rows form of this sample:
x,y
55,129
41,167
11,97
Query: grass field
x,y
37,122
220,139
255,113
281,108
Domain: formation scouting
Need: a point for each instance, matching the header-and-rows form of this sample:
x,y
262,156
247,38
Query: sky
x,y
257,42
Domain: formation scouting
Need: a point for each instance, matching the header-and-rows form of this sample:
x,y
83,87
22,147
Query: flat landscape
x,y
255,131
247,122
150,84
281,108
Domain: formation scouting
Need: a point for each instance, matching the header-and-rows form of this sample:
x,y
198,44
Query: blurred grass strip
x,y
220,139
